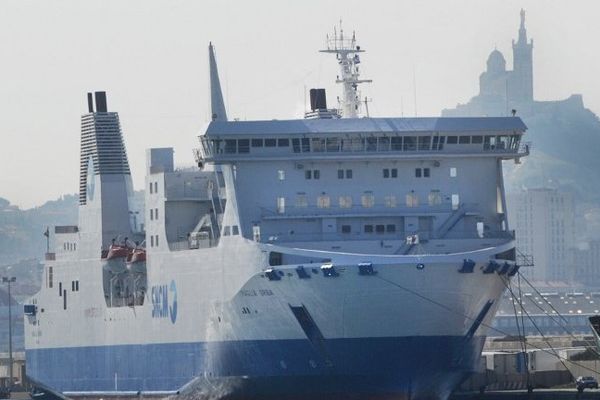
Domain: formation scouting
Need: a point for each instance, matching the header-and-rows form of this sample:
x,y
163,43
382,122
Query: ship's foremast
x,y
347,54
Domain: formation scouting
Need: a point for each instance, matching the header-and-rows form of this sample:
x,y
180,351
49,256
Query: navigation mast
x,y
346,51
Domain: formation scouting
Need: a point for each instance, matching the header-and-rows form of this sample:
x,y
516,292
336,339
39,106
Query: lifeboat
x,y
137,261
115,258
117,251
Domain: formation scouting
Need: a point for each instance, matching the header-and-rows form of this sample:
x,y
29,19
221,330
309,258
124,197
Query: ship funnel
x,y
318,99
217,105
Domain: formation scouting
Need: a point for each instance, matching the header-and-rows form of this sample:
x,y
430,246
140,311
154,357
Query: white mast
x,y
346,52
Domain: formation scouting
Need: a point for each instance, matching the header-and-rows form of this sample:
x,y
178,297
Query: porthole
x,y
420,266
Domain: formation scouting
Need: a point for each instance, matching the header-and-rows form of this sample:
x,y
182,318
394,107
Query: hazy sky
x,y
151,58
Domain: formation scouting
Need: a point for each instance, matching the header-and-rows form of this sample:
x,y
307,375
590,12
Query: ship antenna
x,y
346,52
217,105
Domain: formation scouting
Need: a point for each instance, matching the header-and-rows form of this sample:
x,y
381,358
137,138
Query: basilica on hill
x,y
502,90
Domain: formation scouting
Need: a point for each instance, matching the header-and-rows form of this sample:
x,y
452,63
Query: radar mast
x,y
346,52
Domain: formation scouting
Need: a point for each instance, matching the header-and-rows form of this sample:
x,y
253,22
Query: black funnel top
x,y
318,100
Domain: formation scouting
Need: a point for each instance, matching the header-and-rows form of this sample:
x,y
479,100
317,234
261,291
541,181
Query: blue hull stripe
x,y
390,365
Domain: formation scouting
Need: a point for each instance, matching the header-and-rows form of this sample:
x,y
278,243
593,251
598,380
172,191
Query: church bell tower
x,y
522,88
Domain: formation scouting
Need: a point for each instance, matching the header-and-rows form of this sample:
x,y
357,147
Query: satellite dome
x,y
496,62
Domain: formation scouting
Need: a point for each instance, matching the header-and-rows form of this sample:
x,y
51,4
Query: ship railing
x,y
384,237
195,245
389,209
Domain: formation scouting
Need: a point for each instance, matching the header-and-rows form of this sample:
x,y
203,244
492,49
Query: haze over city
x,y
151,58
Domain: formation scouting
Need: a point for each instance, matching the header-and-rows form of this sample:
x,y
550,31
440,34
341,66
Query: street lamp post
x,y
9,280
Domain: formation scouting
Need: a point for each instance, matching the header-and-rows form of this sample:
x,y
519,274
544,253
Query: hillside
x,y
21,231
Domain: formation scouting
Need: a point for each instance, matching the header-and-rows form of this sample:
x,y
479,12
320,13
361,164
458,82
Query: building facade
x,y
544,221
587,267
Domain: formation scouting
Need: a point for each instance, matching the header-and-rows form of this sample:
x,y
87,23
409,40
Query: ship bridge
x,y
385,138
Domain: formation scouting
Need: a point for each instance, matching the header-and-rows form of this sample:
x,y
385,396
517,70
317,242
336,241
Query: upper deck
x,y
359,137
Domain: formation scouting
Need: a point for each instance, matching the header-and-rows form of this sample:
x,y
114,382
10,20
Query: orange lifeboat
x,y
137,261
117,251
138,255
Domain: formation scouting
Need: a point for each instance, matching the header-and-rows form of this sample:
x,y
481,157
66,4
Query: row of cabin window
x,y
74,286
69,246
347,174
380,228
385,143
153,187
153,240
153,214
367,200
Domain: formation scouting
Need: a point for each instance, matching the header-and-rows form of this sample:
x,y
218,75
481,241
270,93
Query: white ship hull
x,y
225,329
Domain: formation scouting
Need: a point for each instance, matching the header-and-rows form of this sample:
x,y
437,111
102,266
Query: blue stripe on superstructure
x,y
401,362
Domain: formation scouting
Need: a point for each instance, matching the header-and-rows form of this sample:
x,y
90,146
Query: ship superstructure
x,y
316,257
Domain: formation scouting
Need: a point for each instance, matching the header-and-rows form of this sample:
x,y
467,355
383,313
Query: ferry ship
x,y
339,255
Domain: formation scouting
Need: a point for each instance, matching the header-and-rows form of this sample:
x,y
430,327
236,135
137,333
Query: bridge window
x,y
333,144
386,172
305,145
418,172
371,144
318,145
410,143
244,146
368,228
283,142
390,228
464,140
257,143
424,142
348,174
379,228
230,146
270,142
397,143
340,174
235,230
383,144
227,231
477,139
296,145
452,140
346,228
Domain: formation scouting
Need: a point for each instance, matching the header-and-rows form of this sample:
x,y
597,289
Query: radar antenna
x,y
347,54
